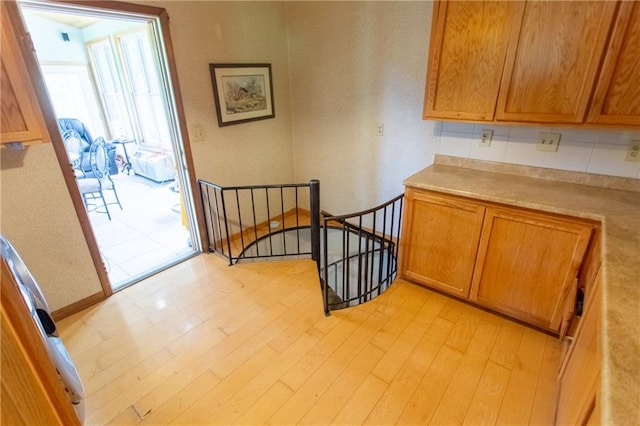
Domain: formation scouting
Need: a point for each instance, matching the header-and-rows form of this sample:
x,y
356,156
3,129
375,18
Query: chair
x,y
96,182
67,124
75,147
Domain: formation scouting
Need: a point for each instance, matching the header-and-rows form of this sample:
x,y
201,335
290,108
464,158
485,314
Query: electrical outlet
x,y
548,142
485,138
379,129
198,134
633,151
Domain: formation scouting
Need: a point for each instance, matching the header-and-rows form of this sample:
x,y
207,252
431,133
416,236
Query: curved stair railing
x,y
356,254
360,252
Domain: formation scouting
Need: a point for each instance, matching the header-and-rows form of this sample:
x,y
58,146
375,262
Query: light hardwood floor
x,y
206,343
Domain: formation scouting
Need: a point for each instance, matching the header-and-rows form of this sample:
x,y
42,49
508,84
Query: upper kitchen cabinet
x,y
20,117
534,62
469,43
617,96
553,61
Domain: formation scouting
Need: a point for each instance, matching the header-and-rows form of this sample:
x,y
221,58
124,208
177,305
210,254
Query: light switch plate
x,y
198,133
548,142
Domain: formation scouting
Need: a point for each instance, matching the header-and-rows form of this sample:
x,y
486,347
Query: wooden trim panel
x,y
32,393
78,306
617,96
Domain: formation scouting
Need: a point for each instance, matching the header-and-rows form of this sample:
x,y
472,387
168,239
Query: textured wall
x,y
41,223
233,32
353,65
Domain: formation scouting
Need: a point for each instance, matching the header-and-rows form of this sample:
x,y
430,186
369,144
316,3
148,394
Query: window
x,y
109,87
129,87
144,87
72,94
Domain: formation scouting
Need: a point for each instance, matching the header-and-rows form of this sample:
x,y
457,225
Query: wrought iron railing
x,y
356,254
254,222
360,252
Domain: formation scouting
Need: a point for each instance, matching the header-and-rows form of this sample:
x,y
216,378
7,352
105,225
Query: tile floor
x,y
146,234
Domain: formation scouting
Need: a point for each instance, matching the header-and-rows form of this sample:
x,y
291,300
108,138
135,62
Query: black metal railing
x,y
356,255
262,221
360,252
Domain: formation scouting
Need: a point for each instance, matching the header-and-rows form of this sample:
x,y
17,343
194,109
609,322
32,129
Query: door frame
x,y
37,81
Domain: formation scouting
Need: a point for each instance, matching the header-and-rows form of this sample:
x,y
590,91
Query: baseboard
x,y
77,306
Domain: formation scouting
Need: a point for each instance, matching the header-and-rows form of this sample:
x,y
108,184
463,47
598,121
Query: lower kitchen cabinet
x,y
441,235
527,265
579,377
514,261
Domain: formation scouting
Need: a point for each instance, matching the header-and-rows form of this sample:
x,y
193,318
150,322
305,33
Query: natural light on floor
x,y
147,232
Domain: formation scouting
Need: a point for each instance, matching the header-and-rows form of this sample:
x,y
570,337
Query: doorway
x,y
108,71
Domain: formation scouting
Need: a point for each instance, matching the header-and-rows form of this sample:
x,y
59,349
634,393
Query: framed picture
x,y
242,92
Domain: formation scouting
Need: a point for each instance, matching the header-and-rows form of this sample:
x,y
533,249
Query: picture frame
x,y
242,92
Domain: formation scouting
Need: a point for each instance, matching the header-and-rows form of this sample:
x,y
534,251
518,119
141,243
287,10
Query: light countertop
x,y
615,202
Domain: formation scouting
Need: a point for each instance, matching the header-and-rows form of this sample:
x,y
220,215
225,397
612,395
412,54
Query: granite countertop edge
x,y
619,213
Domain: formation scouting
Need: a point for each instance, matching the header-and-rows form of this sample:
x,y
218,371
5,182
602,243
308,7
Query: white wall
x,y
353,65
47,37
107,27
580,150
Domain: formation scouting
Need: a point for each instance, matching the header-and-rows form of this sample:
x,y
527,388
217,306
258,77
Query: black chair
x,y
94,184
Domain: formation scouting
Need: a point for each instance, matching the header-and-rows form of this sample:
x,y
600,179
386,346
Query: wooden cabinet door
x,y
440,238
20,116
468,46
580,374
553,61
527,263
617,96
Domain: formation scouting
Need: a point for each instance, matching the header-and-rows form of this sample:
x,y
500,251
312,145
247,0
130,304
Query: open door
x,y
134,103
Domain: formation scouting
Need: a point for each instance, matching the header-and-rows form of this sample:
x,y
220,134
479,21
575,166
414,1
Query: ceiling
x,y
77,21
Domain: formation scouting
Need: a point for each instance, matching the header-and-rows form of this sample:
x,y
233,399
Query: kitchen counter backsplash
x,y
603,181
